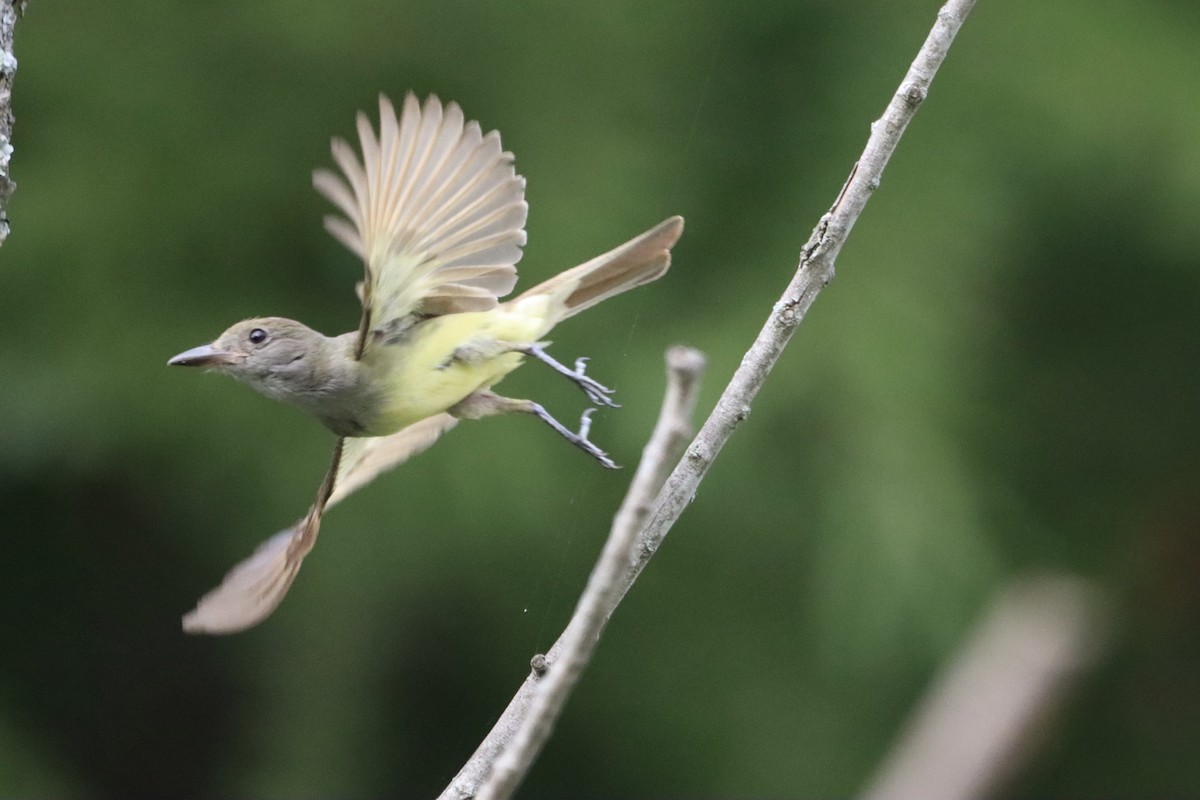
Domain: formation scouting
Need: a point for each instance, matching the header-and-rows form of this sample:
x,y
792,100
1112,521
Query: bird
x,y
436,211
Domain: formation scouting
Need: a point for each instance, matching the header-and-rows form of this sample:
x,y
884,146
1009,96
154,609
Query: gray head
x,y
276,356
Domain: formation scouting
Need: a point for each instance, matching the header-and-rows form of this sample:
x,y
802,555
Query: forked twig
x,y
505,756
815,270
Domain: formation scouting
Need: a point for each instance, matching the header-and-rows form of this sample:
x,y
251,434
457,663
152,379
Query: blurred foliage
x,y
1002,379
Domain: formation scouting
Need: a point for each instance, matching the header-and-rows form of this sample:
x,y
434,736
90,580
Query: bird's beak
x,y
204,356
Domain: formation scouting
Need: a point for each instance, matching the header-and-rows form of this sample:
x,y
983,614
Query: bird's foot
x,y
597,392
580,439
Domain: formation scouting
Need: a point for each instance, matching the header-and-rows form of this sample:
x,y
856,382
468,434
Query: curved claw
x,y
580,439
585,423
596,392
583,442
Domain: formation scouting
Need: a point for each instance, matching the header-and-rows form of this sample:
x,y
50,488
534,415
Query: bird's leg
x,y
485,404
596,391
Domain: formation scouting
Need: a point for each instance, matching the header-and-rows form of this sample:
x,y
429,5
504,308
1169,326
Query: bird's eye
x,y
257,336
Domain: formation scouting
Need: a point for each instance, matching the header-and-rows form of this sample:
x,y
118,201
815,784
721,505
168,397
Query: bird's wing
x,y
253,588
434,208
363,459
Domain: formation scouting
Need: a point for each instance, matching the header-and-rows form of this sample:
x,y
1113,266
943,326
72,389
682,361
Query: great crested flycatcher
x,y
437,213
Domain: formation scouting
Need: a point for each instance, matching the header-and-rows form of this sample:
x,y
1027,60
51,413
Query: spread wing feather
x,y
252,589
434,208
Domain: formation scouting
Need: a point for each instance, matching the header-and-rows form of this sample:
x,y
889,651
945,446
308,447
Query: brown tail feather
x,y
640,260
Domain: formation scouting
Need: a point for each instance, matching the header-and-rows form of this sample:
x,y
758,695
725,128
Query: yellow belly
x,y
444,360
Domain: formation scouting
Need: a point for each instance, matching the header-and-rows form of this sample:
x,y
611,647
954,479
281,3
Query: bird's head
x,y
276,356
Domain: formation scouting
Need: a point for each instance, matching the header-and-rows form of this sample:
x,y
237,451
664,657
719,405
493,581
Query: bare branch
x,y
974,726
815,270
505,756
9,12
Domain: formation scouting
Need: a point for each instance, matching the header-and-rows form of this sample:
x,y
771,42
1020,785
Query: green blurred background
x,y
1004,378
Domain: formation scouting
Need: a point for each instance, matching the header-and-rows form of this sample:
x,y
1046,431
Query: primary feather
x,y
254,587
434,208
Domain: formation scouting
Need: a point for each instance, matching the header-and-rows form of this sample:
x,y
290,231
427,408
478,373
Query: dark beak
x,y
204,356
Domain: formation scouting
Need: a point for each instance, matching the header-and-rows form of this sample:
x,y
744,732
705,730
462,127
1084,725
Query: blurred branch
x,y
978,721
815,270
9,12
505,756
